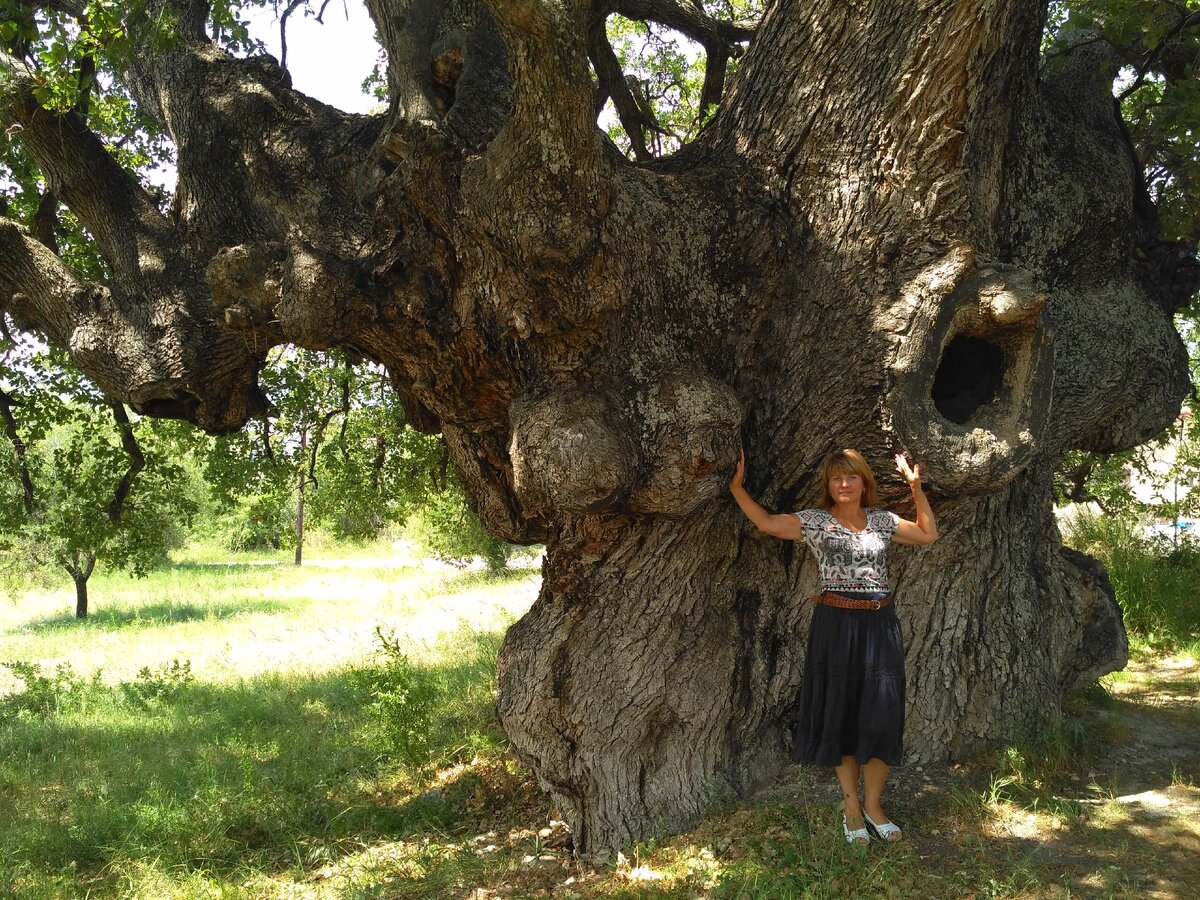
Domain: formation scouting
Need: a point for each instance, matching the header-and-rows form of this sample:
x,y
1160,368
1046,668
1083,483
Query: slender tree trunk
x,y
80,567
81,595
18,445
301,482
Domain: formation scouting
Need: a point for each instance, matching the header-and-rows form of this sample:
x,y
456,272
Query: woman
x,y
851,709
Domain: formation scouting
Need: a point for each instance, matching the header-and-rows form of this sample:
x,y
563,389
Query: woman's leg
x,y
847,774
875,774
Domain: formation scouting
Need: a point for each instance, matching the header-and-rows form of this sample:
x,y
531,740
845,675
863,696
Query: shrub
x,y
1154,579
403,698
49,693
45,693
261,522
160,684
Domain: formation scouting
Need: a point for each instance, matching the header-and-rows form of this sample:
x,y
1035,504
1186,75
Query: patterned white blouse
x,y
850,560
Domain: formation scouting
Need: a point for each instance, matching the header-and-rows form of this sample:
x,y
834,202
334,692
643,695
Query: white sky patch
x,y
327,61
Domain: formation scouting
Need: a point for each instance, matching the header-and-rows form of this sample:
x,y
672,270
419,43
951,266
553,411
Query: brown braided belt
x,y
829,598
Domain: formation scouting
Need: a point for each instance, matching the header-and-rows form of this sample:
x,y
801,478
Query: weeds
x,y
160,684
402,699
1155,581
45,693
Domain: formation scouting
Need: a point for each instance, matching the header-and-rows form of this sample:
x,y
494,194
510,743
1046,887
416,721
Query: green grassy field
x,y
217,721
262,731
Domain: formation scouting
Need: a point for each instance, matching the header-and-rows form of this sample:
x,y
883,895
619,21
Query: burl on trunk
x,y
893,235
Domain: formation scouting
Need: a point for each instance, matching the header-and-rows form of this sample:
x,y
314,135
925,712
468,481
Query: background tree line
x,y
84,482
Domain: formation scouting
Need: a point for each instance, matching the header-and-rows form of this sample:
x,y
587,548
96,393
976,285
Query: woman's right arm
x,y
782,525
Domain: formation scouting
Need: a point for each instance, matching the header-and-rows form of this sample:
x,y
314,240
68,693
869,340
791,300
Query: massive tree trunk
x,y
892,236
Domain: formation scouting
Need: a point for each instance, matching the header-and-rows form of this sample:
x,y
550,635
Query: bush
x,y
158,685
445,527
49,693
1155,581
403,698
45,693
261,522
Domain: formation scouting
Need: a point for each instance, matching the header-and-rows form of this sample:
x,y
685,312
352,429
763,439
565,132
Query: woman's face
x,y
845,487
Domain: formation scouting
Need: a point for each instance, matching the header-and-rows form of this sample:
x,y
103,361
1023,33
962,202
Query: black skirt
x,y
852,699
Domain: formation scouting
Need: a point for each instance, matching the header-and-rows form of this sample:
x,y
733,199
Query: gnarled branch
x,y
721,39
137,461
14,436
129,230
46,291
552,92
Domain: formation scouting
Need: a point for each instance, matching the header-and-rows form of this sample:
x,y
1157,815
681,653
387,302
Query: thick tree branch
x,y
716,61
407,29
552,88
886,102
45,221
47,292
85,77
191,370
137,461
1073,486
192,14
690,20
720,39
612,84
119,214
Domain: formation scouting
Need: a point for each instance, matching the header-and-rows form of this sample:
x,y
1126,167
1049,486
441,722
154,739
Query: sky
x,y
327,61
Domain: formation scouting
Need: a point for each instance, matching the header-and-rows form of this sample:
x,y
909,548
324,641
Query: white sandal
x,y
859,836
885,830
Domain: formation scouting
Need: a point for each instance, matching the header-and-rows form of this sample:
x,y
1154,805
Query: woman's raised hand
x,y
912,474
739,472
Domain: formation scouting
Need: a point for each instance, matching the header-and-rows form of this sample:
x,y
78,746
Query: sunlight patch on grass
x,y
1010,820
1109,814
238,624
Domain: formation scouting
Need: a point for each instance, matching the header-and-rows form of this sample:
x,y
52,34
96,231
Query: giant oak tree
x,y
897,230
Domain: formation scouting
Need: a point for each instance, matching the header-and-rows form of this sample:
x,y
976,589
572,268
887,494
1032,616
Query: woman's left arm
x,y
924,530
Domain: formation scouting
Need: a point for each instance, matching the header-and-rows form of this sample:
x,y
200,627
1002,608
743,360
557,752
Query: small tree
x,y
336,450
81,482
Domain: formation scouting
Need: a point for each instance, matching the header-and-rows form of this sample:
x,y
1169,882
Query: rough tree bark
x,y
894,235
80,566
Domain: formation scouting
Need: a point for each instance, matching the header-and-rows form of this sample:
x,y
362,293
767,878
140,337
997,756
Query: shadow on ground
x,y
1126,825
164,612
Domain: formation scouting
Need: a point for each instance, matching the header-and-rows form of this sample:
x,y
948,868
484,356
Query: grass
x,y
216,724
258,731
241,620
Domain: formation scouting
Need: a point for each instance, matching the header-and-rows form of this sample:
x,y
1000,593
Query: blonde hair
x,y
851,461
